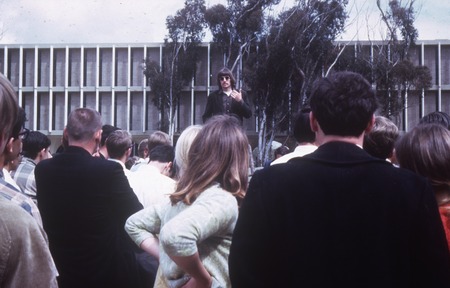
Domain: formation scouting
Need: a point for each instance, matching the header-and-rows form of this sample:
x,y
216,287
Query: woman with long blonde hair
x,y
194,230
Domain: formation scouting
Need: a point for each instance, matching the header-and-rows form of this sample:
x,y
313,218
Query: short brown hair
x,y
158,138
380,141
83,123
118,142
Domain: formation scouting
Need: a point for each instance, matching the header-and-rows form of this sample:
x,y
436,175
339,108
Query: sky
x,y
141,21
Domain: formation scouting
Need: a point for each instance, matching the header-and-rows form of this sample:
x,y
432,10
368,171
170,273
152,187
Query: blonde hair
x,y
182,147
380,141
219,154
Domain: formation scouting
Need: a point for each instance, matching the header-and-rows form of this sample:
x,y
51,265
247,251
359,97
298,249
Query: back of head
x,y
158,138
437,117
131,161
34,143
82,124
343,103
107,129
380,141
117,143
426,150
8,110
218,154
226,72
302,128
280,151
143,148
162,153
182,147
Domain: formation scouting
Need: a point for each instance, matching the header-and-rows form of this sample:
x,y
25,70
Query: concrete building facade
x,y
52,80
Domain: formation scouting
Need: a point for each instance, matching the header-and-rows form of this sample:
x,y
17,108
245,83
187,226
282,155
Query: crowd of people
x,y
357,203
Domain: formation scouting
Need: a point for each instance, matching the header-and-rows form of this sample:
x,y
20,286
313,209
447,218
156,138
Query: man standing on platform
x,y
227,100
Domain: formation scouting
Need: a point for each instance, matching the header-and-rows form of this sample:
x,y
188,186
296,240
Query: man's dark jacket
x,y
84,202
214,106
338,218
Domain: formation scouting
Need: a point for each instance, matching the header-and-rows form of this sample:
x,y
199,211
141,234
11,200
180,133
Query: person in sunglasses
x,y
227,100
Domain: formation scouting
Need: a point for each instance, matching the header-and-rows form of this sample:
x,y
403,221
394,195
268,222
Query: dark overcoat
x,y
338,218
84,202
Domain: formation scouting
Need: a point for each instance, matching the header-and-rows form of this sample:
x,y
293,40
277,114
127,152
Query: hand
x,y
237,95
198,283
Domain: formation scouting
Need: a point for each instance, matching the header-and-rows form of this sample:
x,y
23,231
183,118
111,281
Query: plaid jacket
x,y
24,177
11,193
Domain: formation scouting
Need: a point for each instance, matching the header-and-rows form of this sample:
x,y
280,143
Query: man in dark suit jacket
x,y
84,202
339,217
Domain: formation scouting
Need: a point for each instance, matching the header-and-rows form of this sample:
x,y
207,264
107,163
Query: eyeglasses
x,y
224,78
24,133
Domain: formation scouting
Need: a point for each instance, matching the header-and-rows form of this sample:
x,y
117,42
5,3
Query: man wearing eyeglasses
x,y
10,153
25,258
227,100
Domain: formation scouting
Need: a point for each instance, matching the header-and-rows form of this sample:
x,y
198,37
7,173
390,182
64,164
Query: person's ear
x,y
170,169
129,152
98,135
313,122
9,145
65,138
166,169
42,154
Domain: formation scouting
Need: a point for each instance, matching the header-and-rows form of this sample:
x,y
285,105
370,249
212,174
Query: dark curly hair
x,y
343,103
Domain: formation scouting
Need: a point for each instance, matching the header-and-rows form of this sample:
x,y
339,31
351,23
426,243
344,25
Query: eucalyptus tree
x,y
296,49
236,27
401,33
397,75
387,63
408,76
178,67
